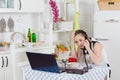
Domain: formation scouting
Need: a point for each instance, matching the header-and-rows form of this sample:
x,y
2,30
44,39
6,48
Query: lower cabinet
x,y
22,60
6,67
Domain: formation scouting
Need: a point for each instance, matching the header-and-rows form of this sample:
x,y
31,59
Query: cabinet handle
x,y
20,5
111,20
2,61
6,61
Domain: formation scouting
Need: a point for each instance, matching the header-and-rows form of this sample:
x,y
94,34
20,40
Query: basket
x,y
109,4
62,49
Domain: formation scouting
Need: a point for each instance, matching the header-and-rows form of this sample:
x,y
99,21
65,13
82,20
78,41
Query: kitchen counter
x,y
23,49
35,48
4,50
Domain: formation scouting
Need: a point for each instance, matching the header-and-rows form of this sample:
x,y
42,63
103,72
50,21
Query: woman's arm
x,y
76,54
96,54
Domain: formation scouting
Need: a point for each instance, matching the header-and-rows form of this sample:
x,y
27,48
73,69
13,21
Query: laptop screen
x,y
42,62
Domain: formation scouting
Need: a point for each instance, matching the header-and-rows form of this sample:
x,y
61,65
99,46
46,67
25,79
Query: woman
x,y
94,49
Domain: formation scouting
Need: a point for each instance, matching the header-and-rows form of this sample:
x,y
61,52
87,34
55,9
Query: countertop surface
x,y
33,48
4,50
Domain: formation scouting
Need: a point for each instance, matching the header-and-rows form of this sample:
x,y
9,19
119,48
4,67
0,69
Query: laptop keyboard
x,y
49,69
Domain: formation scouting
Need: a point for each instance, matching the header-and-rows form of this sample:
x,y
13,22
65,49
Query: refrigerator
x,y
107,31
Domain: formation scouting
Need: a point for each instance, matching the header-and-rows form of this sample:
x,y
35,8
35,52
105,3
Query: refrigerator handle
x,y
111,20
101,39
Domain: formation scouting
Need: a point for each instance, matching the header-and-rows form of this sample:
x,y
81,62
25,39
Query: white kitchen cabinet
x,y
2,74
8,5
6,67
32,5
21,6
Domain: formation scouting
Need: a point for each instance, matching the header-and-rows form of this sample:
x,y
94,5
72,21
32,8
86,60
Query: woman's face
x,y
79,40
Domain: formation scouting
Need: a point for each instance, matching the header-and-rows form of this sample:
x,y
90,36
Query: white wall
x,y
22,21
86,15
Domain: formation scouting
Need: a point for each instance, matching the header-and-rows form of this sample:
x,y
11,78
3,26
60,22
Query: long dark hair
x,y
83,33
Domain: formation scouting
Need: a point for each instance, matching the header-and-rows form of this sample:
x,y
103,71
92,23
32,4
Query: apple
x,y
72,59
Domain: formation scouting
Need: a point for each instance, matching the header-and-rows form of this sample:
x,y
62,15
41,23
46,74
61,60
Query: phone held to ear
x,y
85,51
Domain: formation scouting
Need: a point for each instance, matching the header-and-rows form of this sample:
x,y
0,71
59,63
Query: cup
x,y
29,45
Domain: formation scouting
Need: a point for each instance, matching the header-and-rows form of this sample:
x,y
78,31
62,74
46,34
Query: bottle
x,y
29,35
34,37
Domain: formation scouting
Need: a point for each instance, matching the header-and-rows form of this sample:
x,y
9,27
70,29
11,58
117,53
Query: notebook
x,y
43,62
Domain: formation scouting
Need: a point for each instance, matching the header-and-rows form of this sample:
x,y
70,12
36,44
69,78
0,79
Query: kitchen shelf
x,y
22,11
66,30
65,1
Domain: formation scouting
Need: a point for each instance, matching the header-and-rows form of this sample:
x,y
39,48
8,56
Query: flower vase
x,y
56,26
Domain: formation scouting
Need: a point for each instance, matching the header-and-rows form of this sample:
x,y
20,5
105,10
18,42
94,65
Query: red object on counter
x,y
71,59
55,55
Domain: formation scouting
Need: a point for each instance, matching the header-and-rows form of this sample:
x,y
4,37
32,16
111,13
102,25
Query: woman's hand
x,y
87,44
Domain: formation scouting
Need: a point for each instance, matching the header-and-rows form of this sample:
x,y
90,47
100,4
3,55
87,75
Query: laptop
x,y
47,62
43,62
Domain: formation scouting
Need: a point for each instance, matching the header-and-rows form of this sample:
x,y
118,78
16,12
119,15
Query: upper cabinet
x,y
8,5
32,5
21,5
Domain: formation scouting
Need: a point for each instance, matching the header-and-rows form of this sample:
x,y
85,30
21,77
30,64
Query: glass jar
x,y
56,26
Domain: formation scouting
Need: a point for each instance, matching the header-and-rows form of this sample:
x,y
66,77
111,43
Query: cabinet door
x,y
7,5
8,67
1,67
110,30
32,5
108,33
